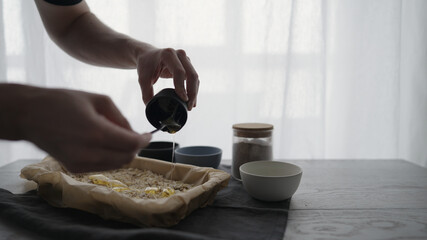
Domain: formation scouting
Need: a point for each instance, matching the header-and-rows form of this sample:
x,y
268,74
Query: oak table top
x,y
337,199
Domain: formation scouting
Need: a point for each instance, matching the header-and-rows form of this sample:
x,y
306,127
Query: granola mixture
x,y
135,183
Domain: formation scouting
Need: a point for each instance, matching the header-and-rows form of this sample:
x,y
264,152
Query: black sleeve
x,y
63,2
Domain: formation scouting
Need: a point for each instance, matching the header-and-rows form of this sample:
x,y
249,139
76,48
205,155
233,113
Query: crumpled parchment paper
x,y
60,190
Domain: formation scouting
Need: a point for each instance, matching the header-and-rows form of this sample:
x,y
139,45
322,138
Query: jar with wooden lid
x,y
251,142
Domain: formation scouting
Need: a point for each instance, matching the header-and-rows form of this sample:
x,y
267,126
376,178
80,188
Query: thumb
x,y
146,86
145,139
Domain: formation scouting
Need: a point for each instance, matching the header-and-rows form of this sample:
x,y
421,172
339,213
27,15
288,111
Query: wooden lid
x,y
253,126
253,130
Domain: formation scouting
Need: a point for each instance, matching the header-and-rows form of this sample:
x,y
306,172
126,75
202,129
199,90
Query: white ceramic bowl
x,y
270,180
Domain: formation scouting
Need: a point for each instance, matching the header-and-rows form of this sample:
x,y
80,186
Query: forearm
x,y
13,101
91,41
82,35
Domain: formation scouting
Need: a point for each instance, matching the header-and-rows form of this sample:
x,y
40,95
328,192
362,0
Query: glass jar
x,y
251,142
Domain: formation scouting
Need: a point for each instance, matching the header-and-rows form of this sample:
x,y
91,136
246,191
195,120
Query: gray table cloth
x,y
233,215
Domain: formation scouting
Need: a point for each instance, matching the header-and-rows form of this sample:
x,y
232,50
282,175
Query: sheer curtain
x,y
337,79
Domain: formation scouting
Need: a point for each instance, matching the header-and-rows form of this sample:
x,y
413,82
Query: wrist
x,y
138,49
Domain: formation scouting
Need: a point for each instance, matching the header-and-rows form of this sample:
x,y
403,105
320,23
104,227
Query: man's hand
x,y
168,63
84,131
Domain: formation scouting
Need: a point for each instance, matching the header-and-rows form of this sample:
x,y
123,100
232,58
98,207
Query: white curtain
x,y
337,79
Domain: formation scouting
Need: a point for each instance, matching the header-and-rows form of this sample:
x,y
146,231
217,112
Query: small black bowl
x,y
159,150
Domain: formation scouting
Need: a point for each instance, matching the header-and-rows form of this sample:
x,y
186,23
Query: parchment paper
x,y
60,190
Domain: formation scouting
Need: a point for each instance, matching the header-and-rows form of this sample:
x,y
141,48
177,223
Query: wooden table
x,y
337,199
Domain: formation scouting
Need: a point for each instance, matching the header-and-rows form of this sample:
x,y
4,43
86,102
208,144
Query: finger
x,y
192,78
98,159
146,87
106,107
165,73
108,135
195,103
174,66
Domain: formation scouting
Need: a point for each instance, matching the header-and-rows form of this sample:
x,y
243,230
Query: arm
x,y
82,35
84,131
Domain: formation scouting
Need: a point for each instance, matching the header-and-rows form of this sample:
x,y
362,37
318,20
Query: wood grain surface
x,y
357,224
337,199
360,184
359,199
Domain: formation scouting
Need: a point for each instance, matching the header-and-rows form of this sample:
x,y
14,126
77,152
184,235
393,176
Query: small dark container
x,y
159,150
166,108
